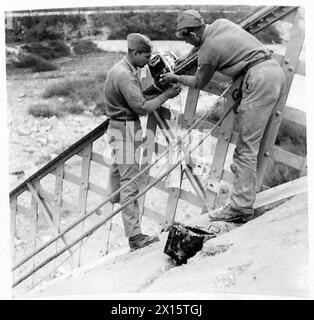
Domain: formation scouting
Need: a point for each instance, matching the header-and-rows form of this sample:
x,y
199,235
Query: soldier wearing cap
x,y
225,47
124,103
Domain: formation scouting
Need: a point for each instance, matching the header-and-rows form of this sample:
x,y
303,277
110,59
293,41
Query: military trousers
x,y
125,138
263,89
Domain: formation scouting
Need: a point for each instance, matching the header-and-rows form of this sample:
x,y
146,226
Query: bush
x,y
74,108
48,50
42,28
86,90
36,63
81,47
161,25
158,25
44,110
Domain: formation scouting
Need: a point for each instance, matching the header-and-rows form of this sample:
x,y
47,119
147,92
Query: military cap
x,y
139,42
189,18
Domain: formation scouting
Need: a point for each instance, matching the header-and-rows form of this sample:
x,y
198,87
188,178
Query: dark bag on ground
x,y
184,242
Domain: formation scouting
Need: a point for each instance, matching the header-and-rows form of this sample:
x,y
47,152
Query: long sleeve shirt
x,y
123,94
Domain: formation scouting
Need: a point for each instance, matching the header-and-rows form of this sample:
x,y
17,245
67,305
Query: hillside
x,y
267,256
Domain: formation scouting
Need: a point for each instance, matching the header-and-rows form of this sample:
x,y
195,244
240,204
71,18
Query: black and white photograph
x,y
156,150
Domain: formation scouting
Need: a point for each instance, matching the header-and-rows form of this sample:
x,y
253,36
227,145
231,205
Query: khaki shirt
x,y
123,92
228,48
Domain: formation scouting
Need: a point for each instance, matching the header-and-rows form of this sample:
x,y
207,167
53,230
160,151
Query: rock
x,y
45,238
61,99
80,103
53,120
35,129
24,131
42,140
19,242
45,122
48,128
30,150
18,168
22,95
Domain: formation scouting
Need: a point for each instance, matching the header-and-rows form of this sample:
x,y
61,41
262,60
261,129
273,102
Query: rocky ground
x,y
267,257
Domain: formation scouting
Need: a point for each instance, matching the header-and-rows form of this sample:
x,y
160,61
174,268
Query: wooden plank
x,y
148,151
45,212
50,197
172,204
195,184
13,207
287,158
174,192
82,200
289,17
304,168
294,115
293,50
68,176
59,173
191,198
152,214
221,150
34,222
97,189
100,159
283,191
289,113
191,105
184,195
300,68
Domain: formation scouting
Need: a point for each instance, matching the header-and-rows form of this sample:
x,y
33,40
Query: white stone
x,y
24,132
19,168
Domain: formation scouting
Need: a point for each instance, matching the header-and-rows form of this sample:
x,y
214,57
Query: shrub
x,y
36,63
74,108
44,110
48,50
86,90
81,47
47,110
158,25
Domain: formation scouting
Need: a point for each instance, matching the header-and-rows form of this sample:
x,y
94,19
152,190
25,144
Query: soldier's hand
x,y
173,91
168,78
